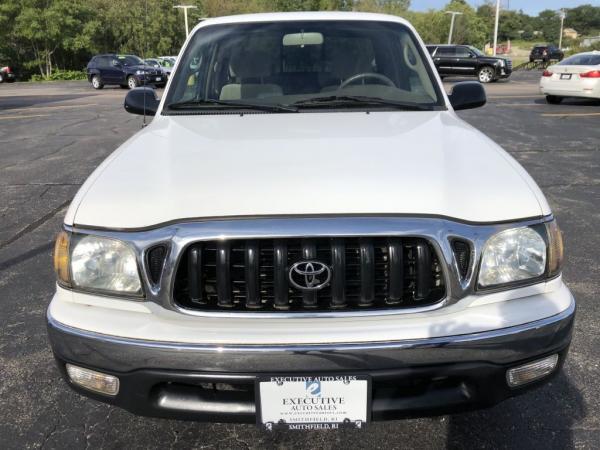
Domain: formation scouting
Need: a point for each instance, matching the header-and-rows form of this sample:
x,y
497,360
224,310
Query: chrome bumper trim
x,y
498,346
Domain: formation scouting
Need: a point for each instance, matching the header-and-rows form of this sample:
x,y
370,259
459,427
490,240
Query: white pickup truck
x,y
305,236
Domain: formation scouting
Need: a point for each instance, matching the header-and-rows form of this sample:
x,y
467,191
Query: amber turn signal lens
x,y
61,258
555,248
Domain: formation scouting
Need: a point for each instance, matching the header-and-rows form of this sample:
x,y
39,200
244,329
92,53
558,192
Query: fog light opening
x,y
526,373
93,381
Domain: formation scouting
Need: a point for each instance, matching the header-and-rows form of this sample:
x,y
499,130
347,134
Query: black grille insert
x,y
462,253
253,275
156,261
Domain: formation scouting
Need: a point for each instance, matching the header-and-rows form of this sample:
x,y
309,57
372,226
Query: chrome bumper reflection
x,y
499,347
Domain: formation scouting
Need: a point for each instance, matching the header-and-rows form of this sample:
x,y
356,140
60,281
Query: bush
x,y
61,75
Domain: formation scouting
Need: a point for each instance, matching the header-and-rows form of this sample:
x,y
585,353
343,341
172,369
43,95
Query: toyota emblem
x,y
309,275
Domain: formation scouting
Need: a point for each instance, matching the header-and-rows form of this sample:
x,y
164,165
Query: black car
x,y
546,53
466,60
7,74
127,71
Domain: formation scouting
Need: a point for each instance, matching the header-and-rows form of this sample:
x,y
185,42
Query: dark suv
x,y
127,71
545,53
466,60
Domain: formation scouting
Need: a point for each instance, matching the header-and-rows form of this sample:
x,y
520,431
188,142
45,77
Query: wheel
x,y
531,60
360,76
131,82
486,74
553,99
97,82
1,78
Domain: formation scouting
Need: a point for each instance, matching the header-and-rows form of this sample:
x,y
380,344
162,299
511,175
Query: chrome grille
x,y
253,274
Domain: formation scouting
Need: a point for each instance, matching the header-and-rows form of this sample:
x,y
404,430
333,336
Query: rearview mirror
x,y
142,99
302,39
467,95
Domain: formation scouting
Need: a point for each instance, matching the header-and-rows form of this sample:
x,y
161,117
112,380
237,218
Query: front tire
x,y
486,74
553,99
97,82
132,83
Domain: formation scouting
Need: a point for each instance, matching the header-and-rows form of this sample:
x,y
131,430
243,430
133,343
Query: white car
x,y
576,76
307,236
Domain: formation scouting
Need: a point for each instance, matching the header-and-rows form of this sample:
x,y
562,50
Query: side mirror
x,y
467,95
140,99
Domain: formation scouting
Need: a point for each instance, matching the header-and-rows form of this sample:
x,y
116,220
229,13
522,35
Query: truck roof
x,y
303,15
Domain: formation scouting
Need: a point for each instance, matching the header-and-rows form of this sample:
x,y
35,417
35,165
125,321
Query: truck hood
x,y
208,166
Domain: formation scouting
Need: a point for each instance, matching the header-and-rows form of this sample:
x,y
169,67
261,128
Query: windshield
x,y
476,51
293,62
129,60
584,59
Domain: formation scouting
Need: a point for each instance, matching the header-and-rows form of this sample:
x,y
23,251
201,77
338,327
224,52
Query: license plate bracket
x,y
565,76
305,402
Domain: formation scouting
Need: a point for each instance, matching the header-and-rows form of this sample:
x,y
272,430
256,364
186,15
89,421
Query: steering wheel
x,y
360,76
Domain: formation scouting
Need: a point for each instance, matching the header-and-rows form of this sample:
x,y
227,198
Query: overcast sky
x,y
532,7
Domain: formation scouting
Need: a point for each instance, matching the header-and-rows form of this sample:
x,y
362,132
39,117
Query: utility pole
x,y
454,14
496,25
562,20
185,10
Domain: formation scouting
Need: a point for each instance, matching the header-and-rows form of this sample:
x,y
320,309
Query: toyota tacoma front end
x,y
307,236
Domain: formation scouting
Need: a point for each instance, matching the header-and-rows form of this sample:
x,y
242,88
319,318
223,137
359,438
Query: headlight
x,y
104,264
139,72
502,62
513,255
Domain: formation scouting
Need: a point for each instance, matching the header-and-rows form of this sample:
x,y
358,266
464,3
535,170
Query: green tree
x,y
548,22
585,19
51,26
469,28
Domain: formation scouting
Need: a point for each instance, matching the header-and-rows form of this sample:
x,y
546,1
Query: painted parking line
x,y
567,114
54,107
27,116
514,96
518,105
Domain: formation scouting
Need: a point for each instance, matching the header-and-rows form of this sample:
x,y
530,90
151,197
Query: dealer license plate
x,y
311,403
565,76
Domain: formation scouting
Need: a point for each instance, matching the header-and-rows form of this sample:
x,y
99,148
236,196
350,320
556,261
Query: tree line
x,y
43,36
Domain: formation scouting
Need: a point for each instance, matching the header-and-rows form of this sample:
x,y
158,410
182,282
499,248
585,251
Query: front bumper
x,y
216,382
152,79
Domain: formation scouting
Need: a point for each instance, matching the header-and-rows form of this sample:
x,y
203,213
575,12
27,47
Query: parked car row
x,y
128,71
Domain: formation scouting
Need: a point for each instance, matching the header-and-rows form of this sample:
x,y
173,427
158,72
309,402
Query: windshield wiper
x,y
337,100
193,104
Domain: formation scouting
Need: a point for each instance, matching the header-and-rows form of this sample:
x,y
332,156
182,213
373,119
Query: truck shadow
x,y
542,418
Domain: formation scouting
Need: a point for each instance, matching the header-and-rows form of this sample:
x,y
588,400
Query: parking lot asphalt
x,y
53,135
